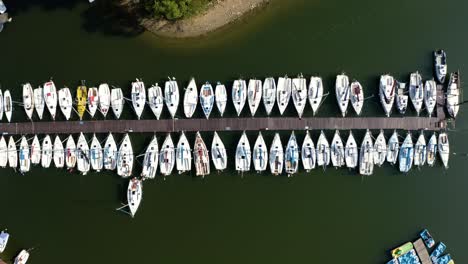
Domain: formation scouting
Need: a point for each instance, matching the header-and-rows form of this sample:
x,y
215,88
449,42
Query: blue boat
x,y
393,261
438,251
445,259
427,238
409,258
207,99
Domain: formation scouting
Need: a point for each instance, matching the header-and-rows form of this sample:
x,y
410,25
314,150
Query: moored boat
x,y
218,153
406,154
138,97
323,151
3,152
28,100
283,93
65,102
150,160
190,98
387,92
167,156
201,159
35,151
50,98
134,195
337,151
437,252
416,91
156,100
4,236
440,65
81,99
207,99
58,153
183,154
380,149
47,151
117,101
291,157
315,93
1,104
70,153
276,156
432,150
110,153
243,154
420,151
393,148
12,153
308,153
357,96
95,154
453,94
445,259
269,94
366,155
427,238
104,98
254,95
125,158
39,103
402,97
430,96
221,98
22,257
82,155
342,92
171,96
24,156
239,95
299,94
260,154
444,148
351,152
7,105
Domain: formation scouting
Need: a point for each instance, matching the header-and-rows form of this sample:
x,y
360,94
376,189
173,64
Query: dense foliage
x,y
175,9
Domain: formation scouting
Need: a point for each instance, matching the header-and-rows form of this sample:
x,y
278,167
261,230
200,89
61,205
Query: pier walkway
x,y
422,251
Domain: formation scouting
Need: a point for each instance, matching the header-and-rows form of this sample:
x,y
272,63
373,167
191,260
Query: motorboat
x,y
110,153
243,154
387,93
138,97
420,151
151,160
308,153
342,92
70,153
58,153
218,153
453,94
437,252
260,154
299,94
291,157
269,94
7,105
444,148
239,95
221,98
3,152
28,100
201,158
430,96
207,99
12,153
432,150
183,155
191,98
39,103
406,155
357,96
402,97
254,95
156,100
35,151
65,101
276,156
95,154
167,156
24,156
81,99
337,151
4,236
393,148
117,101
351,152
440,65
283,93
366,155
1,104
3,10
315,93
22,257
134,195
416,91
427,238
125,158
380,149
82,155
47,151
50,98
104,98
323,151
171,96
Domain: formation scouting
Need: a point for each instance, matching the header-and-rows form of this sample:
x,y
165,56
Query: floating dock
x,y
422,251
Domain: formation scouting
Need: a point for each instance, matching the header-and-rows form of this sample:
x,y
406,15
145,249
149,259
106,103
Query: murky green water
x,y
320,217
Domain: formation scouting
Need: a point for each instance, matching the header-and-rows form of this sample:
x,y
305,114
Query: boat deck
x,y
422,251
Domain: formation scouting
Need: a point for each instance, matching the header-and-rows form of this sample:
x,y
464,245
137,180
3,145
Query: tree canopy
x,y
174,9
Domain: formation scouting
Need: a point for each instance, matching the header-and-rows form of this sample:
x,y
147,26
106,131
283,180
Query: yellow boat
x,y
81,97
401,250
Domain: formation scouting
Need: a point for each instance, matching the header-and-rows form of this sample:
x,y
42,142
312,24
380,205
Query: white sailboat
x,y
65,101
1,104
444,148
35,151
104,99
4,237
110,153
239,95
207,99
269,94
117,101
393,148
440,65
7,105
337,152
221,98
50,97
125,158
171,96
47,151
93,101
254,95
416,91
243,154
28,100
58,153
420,151
24,155
406,155
276,156
138,97
3,152
387,93
183,155
366,155
201,159
453,94
299,94
134,195
308,153
218,153
430,96
167,156
156,100
95,154
22,257
380,149
70,153
323,151
401,98
315,93
291,157
260,154
351,152
39,103
357,97
190,98
150,160
432,150
283,93
342,92
82,155
12,153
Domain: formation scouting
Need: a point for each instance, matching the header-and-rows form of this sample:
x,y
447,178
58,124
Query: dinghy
x,y
393,148
47,151
299,94
453,94
39,103
7,105
110,153
351,152
22,257
35,151
81,99
191,98
1,104
201,159
420,151
283,93
276,156
82,155
4,236
138,97
24,155
254,95
183,155
402,97
221,98
104,99
380,149
432,150
243,154
440,65
117,101
12,153
269,94
59,153
70,153
260,154
239,95
207,99
357,97
308,153
156,100
167,156
366,155
406,155
342,92
50,98
3,153
218,153
291,157
150,160
134,195
28,100
65,102
337,153
444,148
95,154
323,151
430,96
315,93
387,93
125,158
416,90
171,96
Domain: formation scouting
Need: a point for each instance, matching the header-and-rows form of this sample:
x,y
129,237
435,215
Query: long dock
x,y
422,251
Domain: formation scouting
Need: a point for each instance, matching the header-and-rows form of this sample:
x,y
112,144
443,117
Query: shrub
x,y
174,9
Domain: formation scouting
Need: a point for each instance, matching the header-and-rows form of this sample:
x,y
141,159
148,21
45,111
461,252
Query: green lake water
x,y
334,216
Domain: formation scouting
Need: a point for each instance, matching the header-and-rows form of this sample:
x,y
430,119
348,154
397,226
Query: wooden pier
x,y
422,251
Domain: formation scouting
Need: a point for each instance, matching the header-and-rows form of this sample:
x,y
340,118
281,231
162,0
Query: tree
x,y
170,9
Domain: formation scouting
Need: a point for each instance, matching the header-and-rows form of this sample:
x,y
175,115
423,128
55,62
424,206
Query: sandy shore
x,y
222,12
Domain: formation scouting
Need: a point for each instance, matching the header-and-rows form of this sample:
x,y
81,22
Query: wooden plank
x,y
421,250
